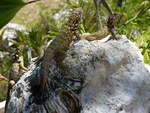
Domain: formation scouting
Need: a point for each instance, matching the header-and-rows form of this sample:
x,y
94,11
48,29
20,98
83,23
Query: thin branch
x,y
107,6
137,14
97,5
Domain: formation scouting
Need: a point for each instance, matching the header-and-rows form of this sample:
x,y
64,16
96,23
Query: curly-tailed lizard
x,y
60,43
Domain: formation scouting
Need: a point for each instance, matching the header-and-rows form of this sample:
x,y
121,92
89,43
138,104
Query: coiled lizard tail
x,y
60,44
111,22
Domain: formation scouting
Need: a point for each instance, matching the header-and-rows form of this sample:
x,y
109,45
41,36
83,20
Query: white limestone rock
x,y
117,80
10,30
2,106
10,33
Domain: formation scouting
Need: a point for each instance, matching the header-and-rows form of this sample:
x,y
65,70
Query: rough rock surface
x,y
113,74
10,30
10,33
2,106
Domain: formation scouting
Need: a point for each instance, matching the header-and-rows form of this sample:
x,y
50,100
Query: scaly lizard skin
x,y
110,28
60,43
96,36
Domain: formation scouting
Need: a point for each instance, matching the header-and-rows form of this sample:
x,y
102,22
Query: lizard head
x,y
75,16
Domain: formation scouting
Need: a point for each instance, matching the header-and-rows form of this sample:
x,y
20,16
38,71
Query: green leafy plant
x,y
135,24
34,38
8,9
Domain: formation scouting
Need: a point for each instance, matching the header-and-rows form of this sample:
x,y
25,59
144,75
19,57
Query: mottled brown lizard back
x,y
60,43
